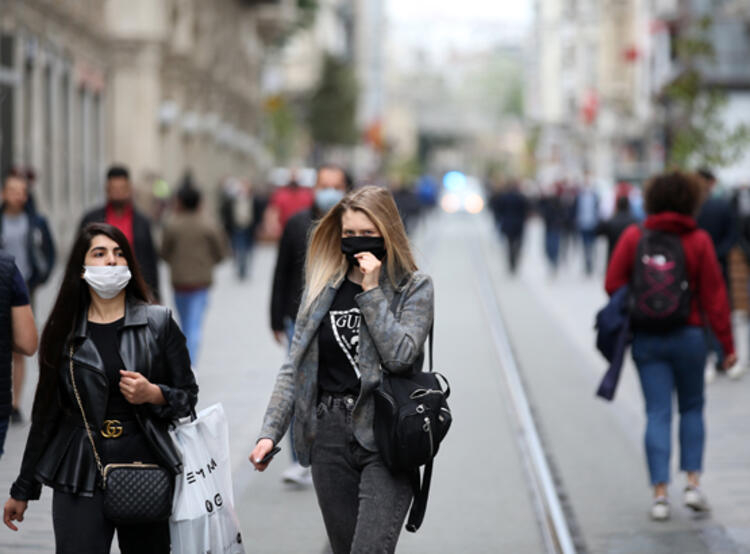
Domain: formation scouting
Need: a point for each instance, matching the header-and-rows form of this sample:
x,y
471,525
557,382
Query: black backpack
x,y
411,419
659,288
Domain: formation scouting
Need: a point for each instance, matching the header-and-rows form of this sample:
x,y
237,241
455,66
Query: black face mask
x,y
354,245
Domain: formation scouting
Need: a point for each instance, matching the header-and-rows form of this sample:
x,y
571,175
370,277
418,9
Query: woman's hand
x,y
370,266
14,510
262,448
729,361
138,390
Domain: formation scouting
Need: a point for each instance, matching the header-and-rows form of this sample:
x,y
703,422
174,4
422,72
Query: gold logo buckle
x,y
112,429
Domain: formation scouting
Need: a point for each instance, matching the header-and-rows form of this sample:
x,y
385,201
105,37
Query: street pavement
x,y
480,499
597,446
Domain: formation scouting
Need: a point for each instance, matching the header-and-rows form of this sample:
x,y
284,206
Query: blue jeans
x,y
191,306
242,245
666,363
588,239
552,246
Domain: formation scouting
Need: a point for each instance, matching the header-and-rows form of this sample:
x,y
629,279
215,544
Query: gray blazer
x,y
393,339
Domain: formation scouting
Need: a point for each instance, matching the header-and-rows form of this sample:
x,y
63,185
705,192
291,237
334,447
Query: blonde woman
x,y
365,307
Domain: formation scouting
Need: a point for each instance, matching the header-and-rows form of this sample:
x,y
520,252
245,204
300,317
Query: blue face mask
x,y
327,198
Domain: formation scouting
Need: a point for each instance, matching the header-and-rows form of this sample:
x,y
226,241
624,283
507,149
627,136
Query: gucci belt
x,y
111,428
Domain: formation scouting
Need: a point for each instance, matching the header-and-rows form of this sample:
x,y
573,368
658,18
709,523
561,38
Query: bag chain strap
x,y
85,421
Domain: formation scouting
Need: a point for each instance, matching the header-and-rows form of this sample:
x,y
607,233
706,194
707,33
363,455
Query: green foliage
x,y
283,128
333,105
698,135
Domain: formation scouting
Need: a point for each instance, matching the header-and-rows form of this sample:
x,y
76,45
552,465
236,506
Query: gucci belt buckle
x,y
112,428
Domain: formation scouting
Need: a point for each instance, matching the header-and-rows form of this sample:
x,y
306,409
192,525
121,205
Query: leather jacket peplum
x,y
58,452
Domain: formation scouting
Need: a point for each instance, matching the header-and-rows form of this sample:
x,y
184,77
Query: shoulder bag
x,y
133,492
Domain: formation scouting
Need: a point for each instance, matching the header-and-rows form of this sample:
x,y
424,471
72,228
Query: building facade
x,y
597,72
162,86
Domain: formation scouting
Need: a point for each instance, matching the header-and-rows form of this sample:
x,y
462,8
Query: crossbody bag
x,y
133,492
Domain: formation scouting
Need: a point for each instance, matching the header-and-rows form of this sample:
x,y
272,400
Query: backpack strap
x,y
421,493
420,484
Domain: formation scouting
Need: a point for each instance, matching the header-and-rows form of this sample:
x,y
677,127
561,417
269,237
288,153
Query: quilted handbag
x,y
133,492
137,493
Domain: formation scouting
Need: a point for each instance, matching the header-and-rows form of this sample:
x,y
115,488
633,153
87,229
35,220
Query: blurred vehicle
x,y
461,193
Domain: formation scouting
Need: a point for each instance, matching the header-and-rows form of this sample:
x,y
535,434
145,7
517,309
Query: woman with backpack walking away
x,y
347,332
676,289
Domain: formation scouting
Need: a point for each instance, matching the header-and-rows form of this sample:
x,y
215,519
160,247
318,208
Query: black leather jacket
x,y
58,452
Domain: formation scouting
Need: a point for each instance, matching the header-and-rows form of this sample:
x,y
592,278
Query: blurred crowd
x,y
174,223
576,215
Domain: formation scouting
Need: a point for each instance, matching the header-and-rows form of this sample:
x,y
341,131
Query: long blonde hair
x,y
325,262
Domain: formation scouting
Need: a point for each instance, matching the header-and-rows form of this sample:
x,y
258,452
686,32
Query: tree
x,y
282,128
333,105
696,133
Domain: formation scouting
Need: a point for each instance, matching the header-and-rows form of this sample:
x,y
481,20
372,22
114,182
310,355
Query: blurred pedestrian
x,y
719,220
359,257
192,245
290,199
120,211
587,219
288,279
613,227
553,213
240,216
25,235
513,208
106,353
494,203
407,202
17,333
672,359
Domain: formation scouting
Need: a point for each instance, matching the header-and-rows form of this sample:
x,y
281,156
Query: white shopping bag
x,y
203,519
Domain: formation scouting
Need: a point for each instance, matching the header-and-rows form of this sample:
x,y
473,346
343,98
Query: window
x,y
65,135
6,105
47,139
28,111
95,161
80,143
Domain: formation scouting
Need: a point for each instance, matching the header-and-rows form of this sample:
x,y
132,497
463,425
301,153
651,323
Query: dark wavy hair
x,y
74,295
675,191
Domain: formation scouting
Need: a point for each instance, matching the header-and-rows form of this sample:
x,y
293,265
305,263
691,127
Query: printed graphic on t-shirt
x,y
345,325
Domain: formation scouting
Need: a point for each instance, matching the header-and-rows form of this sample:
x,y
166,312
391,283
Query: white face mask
x,y
107,280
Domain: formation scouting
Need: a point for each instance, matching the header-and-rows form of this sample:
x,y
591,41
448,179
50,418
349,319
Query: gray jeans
x,y
363,504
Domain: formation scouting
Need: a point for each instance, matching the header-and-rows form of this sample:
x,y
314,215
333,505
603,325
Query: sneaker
x,y
696,500
737,371
710,374
297,475
660,509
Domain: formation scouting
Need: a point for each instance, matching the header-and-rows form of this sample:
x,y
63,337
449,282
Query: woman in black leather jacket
x,y
132,371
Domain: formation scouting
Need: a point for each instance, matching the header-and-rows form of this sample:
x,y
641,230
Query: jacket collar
x,y
671,222
135,315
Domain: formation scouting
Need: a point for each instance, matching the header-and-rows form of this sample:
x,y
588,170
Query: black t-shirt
x,y
338,342
107,342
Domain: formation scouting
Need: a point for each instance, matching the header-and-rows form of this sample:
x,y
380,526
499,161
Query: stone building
x,y
598,69
158,85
